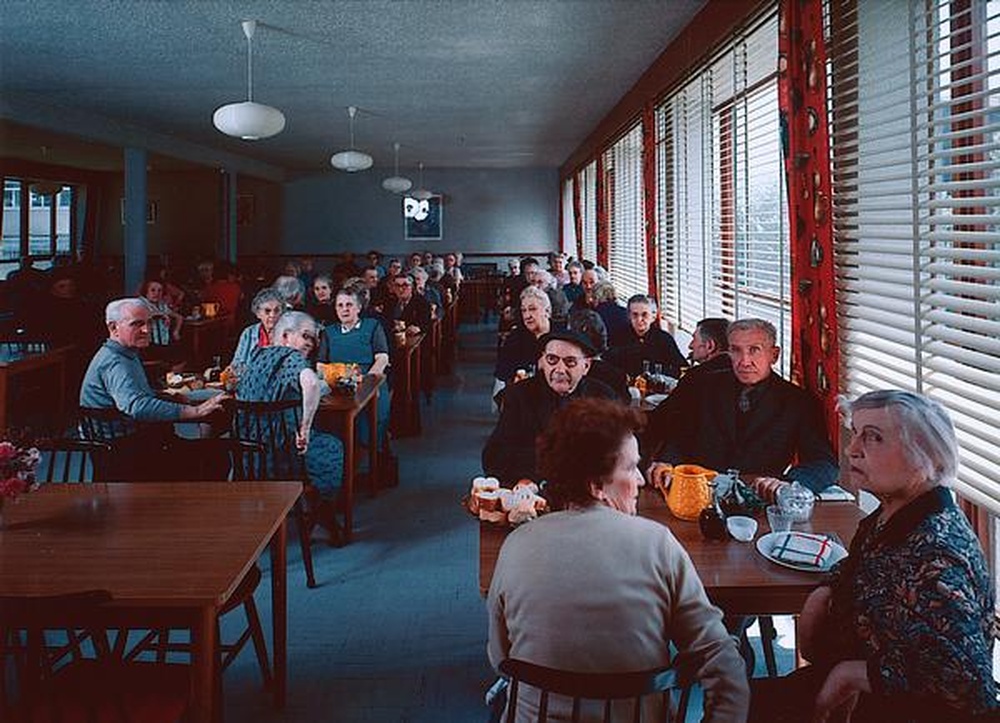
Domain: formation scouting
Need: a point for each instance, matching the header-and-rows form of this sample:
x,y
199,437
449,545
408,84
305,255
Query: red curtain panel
x,y
649,196
806,140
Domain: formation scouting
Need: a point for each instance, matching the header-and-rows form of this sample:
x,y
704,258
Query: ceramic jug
x,y
690,491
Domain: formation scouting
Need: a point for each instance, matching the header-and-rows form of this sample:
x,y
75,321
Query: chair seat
x,y
89,691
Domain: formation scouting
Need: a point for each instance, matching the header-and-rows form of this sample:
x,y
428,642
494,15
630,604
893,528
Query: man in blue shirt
x,y
116,379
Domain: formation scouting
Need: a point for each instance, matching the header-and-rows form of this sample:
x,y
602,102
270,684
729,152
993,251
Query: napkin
x,y
802,548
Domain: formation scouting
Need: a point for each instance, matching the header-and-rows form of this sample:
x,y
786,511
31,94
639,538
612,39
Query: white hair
x,y
115,310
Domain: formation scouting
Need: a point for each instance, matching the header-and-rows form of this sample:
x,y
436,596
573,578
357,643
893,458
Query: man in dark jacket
x,y
749,418
410,307
563,364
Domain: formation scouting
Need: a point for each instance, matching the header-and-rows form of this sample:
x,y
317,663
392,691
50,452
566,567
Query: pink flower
x,y
12,487
7,451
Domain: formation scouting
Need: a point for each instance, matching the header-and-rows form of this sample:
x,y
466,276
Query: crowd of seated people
x,y
901,630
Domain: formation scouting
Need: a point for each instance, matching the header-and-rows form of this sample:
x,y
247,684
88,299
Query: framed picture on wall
x,y
245,210
151,212
422,219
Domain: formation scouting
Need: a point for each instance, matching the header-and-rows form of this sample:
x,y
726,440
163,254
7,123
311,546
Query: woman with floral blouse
x,y
902,630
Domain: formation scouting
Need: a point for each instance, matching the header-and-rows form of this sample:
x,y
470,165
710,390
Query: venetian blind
x,y
626,219
914,101
587,180
721,205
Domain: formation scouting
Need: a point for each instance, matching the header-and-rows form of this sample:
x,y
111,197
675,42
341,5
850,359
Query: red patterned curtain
x,y
602,214
649,196
577,218
806,139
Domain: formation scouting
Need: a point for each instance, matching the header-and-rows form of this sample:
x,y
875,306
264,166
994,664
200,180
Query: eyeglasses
x,y
570,361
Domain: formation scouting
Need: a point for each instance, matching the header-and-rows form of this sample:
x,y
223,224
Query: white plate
x,y
766,543
654,399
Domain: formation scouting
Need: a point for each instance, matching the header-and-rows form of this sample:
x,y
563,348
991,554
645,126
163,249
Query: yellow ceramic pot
x,y
690,491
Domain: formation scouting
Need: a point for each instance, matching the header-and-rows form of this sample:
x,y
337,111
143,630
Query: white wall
x,y
499,211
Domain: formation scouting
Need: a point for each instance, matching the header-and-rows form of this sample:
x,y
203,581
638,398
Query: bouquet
x,y
17,469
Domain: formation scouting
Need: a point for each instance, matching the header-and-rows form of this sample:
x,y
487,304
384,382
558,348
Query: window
x,y
587,180
626,219
41,230
568,220
915,105
723,246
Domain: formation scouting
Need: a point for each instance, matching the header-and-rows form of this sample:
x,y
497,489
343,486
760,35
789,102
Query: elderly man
x,y
116,379
563,364
410,307
645,343
750,418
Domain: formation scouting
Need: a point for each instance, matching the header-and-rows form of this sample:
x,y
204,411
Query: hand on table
x,y
659,474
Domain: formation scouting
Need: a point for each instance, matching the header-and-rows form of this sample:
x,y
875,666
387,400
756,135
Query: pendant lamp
x,y
248,120
421,194
396,183
351,160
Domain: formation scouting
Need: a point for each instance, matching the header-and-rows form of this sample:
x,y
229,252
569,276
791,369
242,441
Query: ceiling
x,y
460,83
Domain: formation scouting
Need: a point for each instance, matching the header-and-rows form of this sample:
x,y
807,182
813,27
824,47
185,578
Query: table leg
x,y
203,662
279,614
349,477
417,388
373,444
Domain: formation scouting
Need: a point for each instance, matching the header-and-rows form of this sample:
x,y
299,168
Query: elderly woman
x,y
322,308
291,290
547,283
902,630
520,348
281,372
593,588
354,339
267,306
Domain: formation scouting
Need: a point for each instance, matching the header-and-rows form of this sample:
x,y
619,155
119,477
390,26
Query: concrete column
x,y
135,246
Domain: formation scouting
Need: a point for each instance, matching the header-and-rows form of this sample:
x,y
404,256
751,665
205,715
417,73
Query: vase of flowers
x,y
17,471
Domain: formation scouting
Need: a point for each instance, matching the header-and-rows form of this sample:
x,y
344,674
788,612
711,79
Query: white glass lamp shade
x,y
248,120
351,161
397,184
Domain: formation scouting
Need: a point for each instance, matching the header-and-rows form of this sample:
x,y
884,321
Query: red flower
x,y
7,451
12,487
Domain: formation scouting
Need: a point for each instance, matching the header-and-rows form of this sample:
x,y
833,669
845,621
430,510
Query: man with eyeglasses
x,y
410,308
116,379
563,363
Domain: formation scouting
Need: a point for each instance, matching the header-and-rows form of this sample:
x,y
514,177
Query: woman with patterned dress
x,y
356,340
902,630
282,372
267,306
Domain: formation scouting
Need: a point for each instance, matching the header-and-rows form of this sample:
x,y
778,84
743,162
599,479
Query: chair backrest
x,y
72,460
273,426
613,689
104,425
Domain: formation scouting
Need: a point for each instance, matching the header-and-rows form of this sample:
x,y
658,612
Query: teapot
x,y
690,490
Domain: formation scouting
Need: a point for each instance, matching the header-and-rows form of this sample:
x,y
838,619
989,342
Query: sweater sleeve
x,y
134,398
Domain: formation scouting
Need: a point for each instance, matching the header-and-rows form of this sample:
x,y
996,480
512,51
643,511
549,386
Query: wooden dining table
x,y
208,337
736,576
338,413
405,414
169,553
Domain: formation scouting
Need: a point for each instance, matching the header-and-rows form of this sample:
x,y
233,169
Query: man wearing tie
x,y
751,419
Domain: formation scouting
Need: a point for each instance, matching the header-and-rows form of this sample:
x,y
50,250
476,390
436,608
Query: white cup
x,y
741,528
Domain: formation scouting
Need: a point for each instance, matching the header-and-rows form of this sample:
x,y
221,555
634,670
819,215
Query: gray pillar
x,y
134,250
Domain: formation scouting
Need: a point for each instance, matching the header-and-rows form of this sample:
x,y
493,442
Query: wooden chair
x,y
94,689
273,425
606,687
72,460
238,457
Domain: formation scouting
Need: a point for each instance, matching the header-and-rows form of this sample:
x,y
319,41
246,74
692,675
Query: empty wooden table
x,y
406,392
736,577
338,413
170,554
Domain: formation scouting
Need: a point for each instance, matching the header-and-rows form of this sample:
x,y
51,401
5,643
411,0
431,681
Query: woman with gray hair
x,y
267,306
291,289
519,351
282,371
902,630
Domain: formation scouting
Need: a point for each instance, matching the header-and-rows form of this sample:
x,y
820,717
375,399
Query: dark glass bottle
x,y
712,522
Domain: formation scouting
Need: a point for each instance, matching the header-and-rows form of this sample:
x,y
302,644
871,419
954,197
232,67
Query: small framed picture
x,y
246,210
422,219
151,211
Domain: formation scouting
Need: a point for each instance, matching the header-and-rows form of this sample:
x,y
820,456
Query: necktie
x,y
743,403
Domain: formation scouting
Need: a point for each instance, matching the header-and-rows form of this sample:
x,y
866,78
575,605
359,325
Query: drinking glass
x,y
779,519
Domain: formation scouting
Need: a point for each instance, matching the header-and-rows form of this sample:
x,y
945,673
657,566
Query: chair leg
x,y
767,637
257,636
305,528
